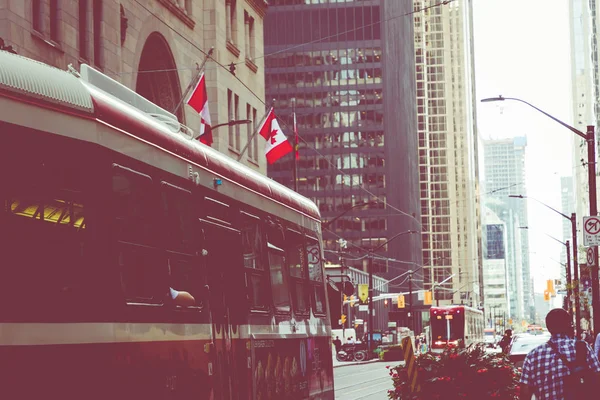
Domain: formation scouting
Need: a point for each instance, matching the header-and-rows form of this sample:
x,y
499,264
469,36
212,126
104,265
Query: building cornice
x,y
260,6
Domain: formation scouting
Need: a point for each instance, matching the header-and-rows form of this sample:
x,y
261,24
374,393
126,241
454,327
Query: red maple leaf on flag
x,y
273,134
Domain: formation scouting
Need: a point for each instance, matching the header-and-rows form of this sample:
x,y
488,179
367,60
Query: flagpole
x,y
256,128
194,80
295,146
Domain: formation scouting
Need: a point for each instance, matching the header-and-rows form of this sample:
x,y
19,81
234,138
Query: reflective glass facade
x,y
344,68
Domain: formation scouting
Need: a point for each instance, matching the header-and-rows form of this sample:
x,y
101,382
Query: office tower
x,y
347,69
448,160
495,277
504,168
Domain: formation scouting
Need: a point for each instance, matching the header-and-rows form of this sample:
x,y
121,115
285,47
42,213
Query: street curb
x,y
346,364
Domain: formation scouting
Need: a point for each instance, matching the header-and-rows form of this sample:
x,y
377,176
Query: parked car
x,y
522,344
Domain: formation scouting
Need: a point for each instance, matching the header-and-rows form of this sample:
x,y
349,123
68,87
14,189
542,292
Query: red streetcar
x,y
137,263
455,326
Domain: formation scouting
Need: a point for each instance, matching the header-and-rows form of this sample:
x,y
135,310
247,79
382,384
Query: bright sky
x,y
522,50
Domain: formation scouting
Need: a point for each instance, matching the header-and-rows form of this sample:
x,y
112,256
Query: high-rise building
x,y
585,76
154,48
504,169
448,159
347,68
567,196
495,276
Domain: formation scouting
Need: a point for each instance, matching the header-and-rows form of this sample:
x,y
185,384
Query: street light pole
x,y
590,139
591,147
370,319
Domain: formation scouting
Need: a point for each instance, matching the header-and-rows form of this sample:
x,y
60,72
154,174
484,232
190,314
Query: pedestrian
x,y
505,341
549,368
338,344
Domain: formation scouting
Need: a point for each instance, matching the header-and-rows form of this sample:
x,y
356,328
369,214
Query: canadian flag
x,y
277,144
198,100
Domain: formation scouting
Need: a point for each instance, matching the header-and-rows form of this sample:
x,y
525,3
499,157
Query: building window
x,y
36,15
83,30
230,116
97,31
90,21
255,140
237,127
249,36
230,23
249,132
54,20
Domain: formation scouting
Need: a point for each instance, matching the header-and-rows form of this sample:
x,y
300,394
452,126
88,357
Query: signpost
x,y
591,232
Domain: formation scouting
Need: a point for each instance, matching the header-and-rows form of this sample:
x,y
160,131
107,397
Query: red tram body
x,y
455,326
105,207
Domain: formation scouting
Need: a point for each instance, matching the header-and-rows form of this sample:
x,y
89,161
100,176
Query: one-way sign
x,y
591,231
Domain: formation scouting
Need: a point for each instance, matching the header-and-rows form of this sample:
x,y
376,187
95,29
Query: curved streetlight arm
x,y
569,127
550,236
520,196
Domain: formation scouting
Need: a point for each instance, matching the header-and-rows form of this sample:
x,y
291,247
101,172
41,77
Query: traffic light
x,y
428,298
546,295
352,300
550,286
343,319
345,298
401,303
385,303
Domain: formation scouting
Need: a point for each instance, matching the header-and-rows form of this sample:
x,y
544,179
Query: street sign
x,y
363,292
363,307
392,324
591,231
590,256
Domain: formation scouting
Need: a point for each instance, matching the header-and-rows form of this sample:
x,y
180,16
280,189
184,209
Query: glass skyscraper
x,y
347,67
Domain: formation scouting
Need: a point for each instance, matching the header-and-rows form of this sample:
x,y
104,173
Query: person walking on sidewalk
x,y
549,369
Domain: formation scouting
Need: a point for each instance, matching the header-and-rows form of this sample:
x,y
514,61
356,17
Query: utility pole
x,y
370,321
591,145
575,274
569,280
410,317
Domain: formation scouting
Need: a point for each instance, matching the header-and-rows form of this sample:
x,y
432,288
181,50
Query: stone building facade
x,y
154,47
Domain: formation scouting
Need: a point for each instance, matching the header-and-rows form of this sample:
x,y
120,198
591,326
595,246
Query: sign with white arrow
x,y
591,231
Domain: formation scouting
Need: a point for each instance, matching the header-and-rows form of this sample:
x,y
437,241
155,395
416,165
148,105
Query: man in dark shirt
x,y
337,343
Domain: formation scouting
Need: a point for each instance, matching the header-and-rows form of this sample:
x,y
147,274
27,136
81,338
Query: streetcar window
x,y
143,275
180,220
279,281
44,235
252,244
319,299
296,264
313,255
187,276
295,254
134,208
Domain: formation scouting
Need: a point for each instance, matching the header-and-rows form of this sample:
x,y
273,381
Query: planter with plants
x,y
465,374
